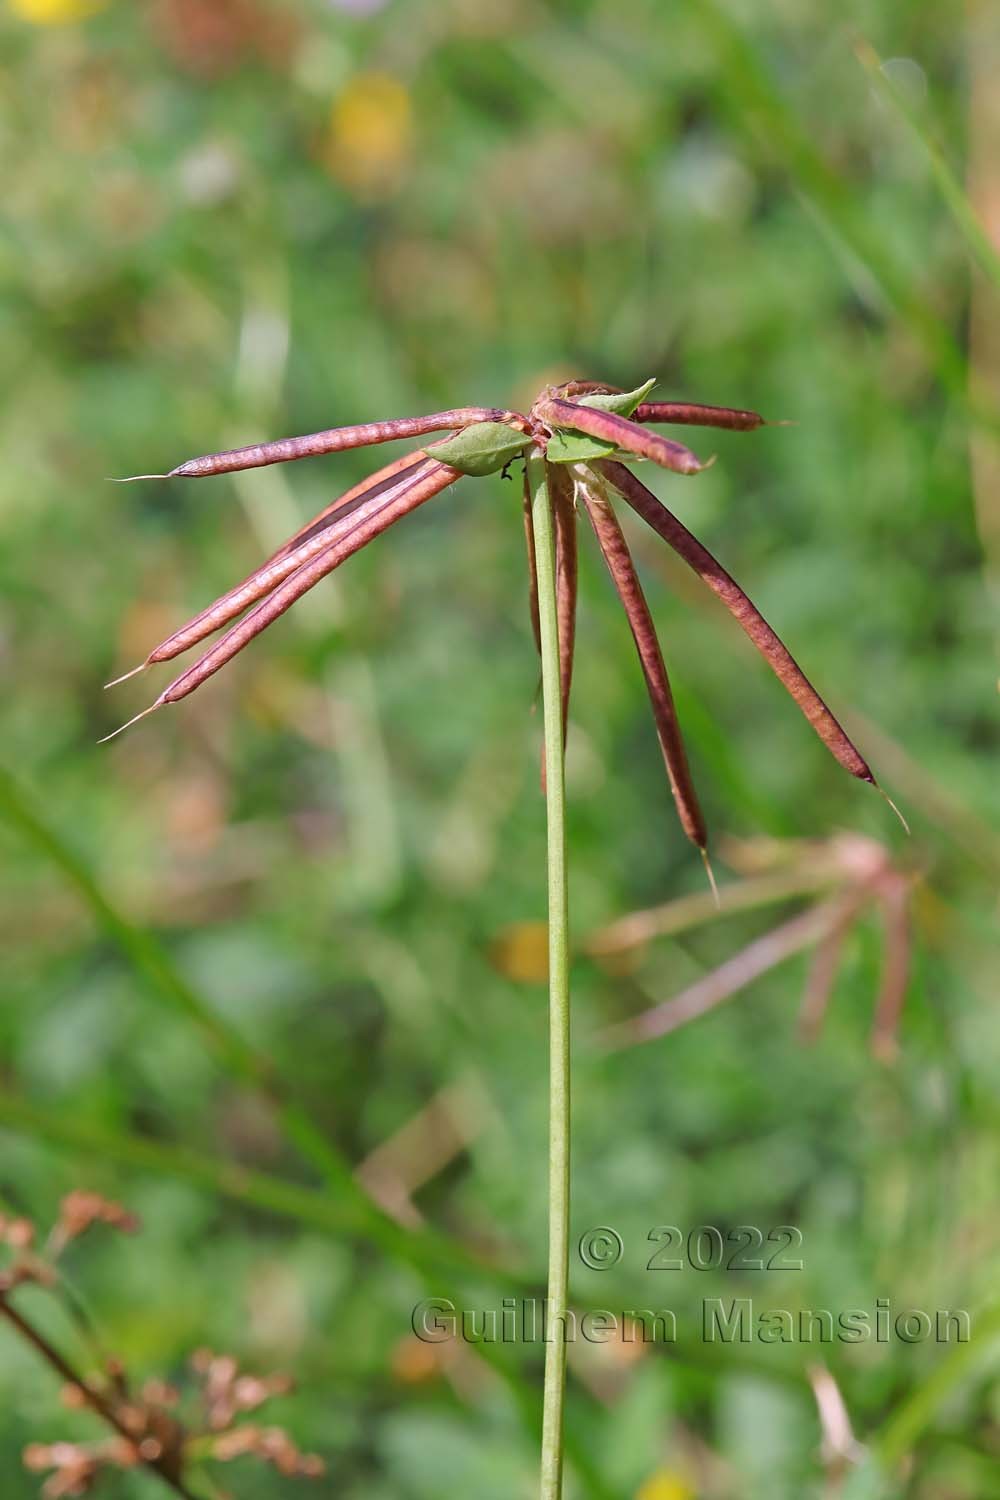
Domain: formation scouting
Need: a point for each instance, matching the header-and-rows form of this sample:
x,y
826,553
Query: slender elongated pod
x,y
618,558
336,440
746,614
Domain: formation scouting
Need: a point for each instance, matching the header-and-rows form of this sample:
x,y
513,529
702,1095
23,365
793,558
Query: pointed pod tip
x,y
780,422
126,675
135,478
703,851
699,468
122,727
883,793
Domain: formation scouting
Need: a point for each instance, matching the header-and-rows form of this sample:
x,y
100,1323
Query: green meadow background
x,y
271,959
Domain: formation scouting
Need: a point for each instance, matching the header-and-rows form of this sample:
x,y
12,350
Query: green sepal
x,y
622,403
577,447
480,449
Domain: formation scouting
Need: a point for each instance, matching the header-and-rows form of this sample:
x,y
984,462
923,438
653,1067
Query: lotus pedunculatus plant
x,y
576,444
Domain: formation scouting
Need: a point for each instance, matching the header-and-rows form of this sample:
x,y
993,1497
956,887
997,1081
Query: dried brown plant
x,y
147,1429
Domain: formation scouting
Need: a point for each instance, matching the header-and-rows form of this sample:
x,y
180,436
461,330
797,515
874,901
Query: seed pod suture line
x,y
437,477
620,565
609,428
337,440
746,614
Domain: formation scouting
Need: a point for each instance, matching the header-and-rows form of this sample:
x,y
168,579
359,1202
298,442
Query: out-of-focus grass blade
x,y
954,195
333,1214
749,87
906,1424
142,950
153,963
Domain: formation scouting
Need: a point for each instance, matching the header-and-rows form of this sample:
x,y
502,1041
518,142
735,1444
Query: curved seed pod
x,y
430,483
564,510
619,431
746,614
336,440
314,538
692,414
622,569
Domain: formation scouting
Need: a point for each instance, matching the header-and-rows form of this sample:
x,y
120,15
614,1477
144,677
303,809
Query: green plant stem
x,y
559,1072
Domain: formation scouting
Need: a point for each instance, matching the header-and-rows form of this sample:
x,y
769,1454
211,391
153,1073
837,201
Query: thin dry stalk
x,y
840,1448
162,1463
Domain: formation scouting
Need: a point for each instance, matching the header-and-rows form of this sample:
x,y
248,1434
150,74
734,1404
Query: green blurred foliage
x,y
230,219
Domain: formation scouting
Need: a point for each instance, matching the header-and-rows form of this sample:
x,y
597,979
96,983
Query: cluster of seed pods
x,y
371,507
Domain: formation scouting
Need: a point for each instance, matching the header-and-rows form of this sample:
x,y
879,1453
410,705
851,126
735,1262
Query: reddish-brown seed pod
x,y
367,486
431,482
622,569
692,414
746,614
564,512
609,428
529,542
367,498
338,439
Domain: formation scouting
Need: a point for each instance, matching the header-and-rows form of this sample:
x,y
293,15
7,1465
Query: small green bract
x,y
480,449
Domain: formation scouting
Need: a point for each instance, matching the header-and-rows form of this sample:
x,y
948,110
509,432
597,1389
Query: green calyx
x,y
480,449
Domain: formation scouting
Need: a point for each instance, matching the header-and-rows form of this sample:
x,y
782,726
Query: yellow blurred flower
x,y
55,12
370,133
521,952
665,1485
